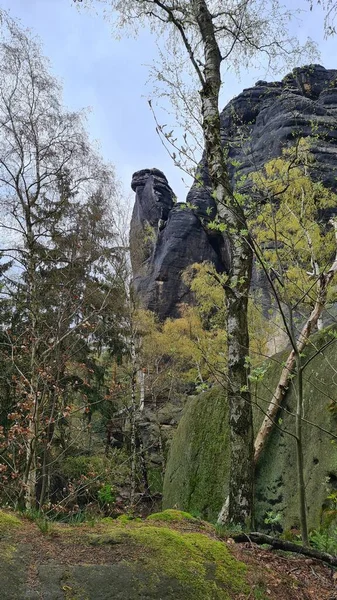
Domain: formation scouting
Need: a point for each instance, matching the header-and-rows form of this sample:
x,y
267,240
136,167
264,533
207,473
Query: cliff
x,y
256,125
166,237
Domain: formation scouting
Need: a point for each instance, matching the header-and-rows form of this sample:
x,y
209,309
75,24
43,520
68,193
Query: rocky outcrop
x,y
261,121
256,125
197,471
169,556
165,238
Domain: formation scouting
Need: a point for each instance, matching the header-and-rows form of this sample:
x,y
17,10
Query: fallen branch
x,y
277,544
267,426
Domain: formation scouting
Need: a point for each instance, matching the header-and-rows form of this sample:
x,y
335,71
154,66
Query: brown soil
x,y
287,577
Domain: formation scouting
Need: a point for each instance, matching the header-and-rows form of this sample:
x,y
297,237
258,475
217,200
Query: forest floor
x,y
124,560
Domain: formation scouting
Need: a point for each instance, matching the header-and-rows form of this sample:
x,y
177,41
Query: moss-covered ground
x,y
8,522
171,515
172,556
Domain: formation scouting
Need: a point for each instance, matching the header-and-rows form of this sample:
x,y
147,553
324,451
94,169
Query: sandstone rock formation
x,y
197,470
166,237
169,556
262,120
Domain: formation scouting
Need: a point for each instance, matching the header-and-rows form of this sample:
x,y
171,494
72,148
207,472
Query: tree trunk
x,y
133,447
240,507
140,444
132,412
44,476
30,474
241,478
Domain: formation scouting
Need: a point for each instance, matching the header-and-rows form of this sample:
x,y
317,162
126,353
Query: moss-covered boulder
x,y
171,515
133,560
179,565
196,477
172,556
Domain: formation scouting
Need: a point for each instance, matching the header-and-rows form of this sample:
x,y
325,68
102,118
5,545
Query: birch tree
x,y
55,229
213,38
329,8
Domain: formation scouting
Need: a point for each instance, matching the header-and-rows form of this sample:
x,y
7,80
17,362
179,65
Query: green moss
x,y
197,567
171,515
76,466
108,520
8,552
196,477
203,567
8,521
128,518
124,518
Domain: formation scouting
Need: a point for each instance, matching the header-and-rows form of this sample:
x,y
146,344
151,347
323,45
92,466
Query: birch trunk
x,y
240,505
29,479
299,454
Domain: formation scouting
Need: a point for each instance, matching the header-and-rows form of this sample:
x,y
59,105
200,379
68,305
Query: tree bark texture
x,y
299,454
240,508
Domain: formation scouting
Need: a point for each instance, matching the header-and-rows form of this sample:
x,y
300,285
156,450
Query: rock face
x,y
198,462
197,471
262,120
166,237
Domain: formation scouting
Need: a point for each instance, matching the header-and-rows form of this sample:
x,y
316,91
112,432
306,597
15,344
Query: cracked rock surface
x,y
166,237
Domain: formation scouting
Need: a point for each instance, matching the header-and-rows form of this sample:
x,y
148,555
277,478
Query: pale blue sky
x,y
110,77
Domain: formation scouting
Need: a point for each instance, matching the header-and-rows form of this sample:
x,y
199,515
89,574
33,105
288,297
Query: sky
x,y
110,77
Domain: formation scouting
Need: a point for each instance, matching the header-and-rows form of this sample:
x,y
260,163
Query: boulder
x,y
121,559
197,471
